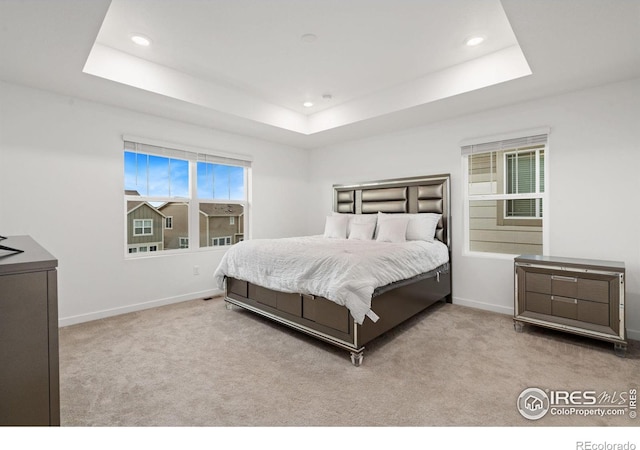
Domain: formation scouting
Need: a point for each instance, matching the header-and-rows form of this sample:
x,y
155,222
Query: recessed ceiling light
x,y
141,40
307,104
474,40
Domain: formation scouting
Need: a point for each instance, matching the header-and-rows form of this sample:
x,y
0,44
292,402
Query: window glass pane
x,y
525,207
483,174
145,225
156,175
219,181
216,226
489,233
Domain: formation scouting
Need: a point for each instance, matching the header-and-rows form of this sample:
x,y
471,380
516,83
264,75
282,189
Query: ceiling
x,y
371,66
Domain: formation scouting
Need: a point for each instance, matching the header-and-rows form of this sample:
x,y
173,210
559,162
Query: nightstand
x,y
580,296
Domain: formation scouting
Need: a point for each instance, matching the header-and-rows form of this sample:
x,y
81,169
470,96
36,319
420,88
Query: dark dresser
x,y
29,371
581,296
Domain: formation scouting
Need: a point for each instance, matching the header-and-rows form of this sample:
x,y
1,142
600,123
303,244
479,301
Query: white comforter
x,y
345,271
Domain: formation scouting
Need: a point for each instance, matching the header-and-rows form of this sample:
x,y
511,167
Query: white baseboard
x,y
66,321
81,318
485,306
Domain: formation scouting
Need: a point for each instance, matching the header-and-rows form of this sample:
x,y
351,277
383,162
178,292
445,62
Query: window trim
x,y
546,247
142,227
503,219
178,151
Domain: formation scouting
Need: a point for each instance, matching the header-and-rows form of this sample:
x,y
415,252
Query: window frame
x,y
503,218
192,201
143,227
543,196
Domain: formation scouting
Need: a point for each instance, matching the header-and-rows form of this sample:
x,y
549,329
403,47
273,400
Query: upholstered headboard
x,y
429,194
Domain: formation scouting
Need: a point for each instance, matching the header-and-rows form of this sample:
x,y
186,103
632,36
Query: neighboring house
x,y
176,225
221,224
145,227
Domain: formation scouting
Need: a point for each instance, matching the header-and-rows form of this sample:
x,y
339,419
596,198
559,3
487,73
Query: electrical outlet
x,y
196,270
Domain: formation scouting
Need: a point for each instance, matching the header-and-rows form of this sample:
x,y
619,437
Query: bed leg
x,y
357,357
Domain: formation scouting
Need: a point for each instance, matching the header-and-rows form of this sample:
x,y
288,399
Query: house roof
x,y
132,206
224,210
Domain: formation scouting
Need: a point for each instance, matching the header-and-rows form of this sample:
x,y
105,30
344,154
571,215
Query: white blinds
x,y
506,144
229,160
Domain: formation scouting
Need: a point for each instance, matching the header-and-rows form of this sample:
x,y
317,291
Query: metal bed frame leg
x,y
357,357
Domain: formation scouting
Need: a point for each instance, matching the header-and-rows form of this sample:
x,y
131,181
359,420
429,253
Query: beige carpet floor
x,y
198,364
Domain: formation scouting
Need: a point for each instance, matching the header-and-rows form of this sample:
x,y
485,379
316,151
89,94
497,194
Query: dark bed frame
x,y
394,303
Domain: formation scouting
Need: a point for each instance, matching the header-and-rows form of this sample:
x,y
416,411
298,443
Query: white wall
x,y
61,181
594,158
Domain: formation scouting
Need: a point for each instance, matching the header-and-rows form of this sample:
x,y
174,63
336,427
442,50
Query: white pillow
x,y
393,230
358,218
335,227
362,231
384,216
422,227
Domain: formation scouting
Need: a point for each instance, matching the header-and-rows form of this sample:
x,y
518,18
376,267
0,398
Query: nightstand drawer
x,y
564,286
564,307
538,282
593,290
593,312
540,303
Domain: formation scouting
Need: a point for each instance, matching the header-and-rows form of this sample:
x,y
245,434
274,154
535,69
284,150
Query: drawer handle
x,y
565,300
561,278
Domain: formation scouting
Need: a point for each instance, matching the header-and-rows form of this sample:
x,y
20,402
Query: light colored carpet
x,y
198,364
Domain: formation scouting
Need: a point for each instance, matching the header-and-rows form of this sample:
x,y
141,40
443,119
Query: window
x,y
524,174
181,199
143,227
220,241
505,195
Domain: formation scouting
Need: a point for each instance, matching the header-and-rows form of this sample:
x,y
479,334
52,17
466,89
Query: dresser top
x,y
33,258
570,262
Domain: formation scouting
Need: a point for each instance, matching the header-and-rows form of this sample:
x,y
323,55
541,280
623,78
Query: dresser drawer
x,y
593,312
540,303
538,282
564,286
564,307
593,290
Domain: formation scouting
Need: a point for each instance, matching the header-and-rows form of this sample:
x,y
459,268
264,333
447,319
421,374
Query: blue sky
x,y
167,177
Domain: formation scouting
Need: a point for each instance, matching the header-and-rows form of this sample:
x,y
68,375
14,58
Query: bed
x,y
344,291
